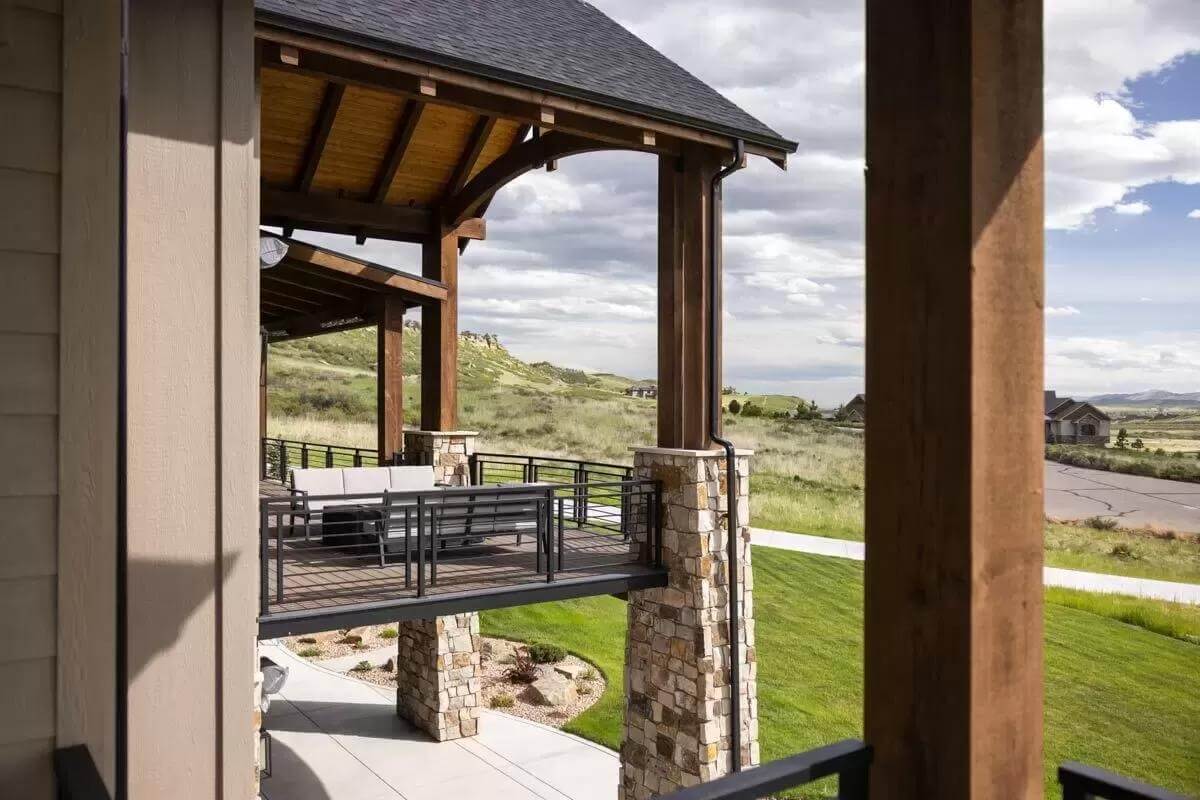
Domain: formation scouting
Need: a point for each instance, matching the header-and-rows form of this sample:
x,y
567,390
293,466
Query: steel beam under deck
x,y
295,623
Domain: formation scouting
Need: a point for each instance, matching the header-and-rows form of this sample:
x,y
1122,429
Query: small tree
x,y
1122,439
1138,444
734,406
751,410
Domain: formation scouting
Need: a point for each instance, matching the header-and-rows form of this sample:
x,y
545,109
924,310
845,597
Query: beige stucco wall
x,y
30,166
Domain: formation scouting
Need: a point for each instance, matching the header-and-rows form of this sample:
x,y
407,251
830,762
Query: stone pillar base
x,y
439,676
449,452
677,654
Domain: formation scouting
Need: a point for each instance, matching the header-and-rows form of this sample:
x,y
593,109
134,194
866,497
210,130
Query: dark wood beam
x,y
954,320
308,210
466,163
405,129
516,162
329,320
289,301
338,265
320,135
439,337
389,378
312,284
522,132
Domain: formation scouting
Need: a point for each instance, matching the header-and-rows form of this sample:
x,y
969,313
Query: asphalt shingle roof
x,y
565,46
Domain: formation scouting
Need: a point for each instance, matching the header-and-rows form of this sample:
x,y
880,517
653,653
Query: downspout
x,y
714,432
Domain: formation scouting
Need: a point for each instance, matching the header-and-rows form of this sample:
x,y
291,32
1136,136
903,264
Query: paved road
x,y
1051,576
1076,493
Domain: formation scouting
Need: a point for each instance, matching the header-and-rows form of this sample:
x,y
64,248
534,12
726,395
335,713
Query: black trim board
x,y
294,623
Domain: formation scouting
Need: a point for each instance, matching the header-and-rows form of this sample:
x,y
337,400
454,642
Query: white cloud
x,y
1135,209
1062,311
1194,213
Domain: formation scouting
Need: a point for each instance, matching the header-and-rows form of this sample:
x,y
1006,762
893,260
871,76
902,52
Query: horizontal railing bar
x,y
774,776
1082,781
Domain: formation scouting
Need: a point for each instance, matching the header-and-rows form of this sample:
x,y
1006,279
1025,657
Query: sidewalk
x,y
1053,576
336,738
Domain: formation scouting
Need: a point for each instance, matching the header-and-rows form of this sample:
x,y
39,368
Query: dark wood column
x,y
954,380
683,393
389,377
262,398
439,336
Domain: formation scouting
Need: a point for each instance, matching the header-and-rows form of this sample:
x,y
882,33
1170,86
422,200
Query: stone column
x,y
448,451
439,676
677,654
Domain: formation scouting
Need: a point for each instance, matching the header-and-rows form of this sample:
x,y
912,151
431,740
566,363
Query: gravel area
x,y
497,658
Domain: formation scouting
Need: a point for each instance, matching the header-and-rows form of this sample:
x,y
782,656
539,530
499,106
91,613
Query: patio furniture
x,y
313,490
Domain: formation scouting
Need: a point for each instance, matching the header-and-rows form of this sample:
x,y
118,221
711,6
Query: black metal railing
x,y
280,456
1083,782
322,551
849,760
504,469
76,775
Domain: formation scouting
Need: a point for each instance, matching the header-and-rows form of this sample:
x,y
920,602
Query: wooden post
x,y
264,348
389,377
439,336
954,379
683,391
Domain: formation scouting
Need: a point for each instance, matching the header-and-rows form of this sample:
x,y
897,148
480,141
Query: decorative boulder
x,y
572,671
554,690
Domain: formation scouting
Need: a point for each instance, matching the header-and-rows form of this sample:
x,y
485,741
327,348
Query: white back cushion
x,y
319,481
411,479
361,480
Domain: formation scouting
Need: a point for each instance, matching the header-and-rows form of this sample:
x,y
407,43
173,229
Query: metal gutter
x,y
714,432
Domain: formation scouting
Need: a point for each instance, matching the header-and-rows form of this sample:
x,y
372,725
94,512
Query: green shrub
x,y
389,633
1101,523
751,410
502,701
306,640
362,666
309,652
734,406
545,653
1124,551
590,674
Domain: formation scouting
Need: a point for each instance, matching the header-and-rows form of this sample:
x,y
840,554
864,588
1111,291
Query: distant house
x,y
855,410
1074,422
647,391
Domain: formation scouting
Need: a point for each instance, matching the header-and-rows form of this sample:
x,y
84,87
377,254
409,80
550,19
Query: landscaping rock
x,y
572,671
554,690
500,650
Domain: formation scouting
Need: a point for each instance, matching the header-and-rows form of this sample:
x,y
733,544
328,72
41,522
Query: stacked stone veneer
x,y
677,656
448,451
439,675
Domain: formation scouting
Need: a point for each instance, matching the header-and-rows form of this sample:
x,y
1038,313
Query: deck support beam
x,y
954,375
439,335
389,377
683,309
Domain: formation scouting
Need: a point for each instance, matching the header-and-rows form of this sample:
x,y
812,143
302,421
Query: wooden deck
x,y
319,578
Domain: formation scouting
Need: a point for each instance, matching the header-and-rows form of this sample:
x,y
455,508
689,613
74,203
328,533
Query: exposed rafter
x,y
405,129
320,135
479,136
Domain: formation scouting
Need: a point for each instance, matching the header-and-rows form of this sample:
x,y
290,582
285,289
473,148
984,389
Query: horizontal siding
x,y
30,159
31,365
25,768
28,537
32,56
29,302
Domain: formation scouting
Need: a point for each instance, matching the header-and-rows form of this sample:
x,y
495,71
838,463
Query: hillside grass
x,y
1120,672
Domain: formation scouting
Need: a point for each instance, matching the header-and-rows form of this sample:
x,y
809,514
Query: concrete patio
x,y
336,737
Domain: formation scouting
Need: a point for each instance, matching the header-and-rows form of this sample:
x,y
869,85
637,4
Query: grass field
x,y
1152,463
1118,695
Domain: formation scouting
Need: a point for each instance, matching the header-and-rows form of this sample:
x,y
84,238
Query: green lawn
x,y
1117,695
1118,552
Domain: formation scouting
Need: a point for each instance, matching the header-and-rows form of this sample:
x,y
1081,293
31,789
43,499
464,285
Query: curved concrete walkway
x,y
336,738
1053,576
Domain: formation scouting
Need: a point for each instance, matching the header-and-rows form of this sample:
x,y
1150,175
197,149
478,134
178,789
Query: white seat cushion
x,y
364,480
319,481
411,479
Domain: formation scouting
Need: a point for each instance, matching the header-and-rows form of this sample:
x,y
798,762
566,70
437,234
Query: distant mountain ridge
x,y
1149,398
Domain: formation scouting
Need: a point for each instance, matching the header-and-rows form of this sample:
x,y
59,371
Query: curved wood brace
x,y
516,162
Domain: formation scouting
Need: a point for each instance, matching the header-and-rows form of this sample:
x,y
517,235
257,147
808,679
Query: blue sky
x,y
567,273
